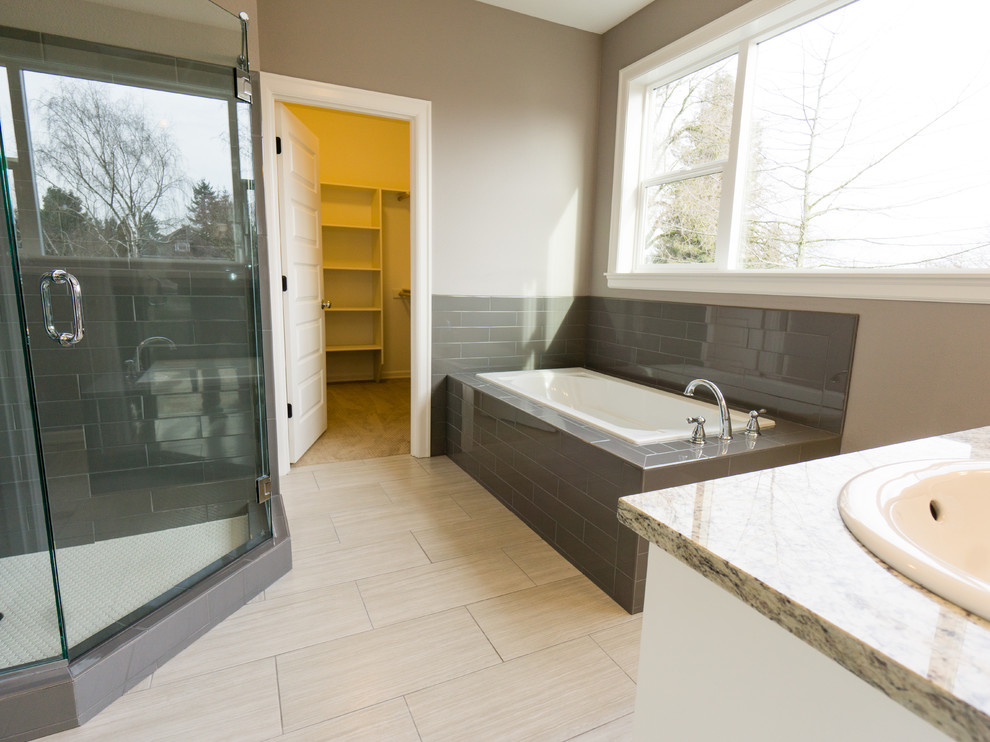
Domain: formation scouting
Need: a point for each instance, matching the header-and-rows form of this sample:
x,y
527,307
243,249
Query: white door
x,y
302,262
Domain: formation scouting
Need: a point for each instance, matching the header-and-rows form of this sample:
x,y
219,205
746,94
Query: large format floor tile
x,y
386,722
376,523
326,502
274,627
417,608
540,562
614,731
484,534
240,704
550,695
334,564
420,591
529,620
329,680
621,643
368,471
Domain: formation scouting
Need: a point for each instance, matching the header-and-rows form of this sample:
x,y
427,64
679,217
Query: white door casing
x,y
280,88
302,264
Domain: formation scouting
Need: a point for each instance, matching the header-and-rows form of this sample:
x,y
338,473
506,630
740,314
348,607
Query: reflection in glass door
x,y
138,273
29,623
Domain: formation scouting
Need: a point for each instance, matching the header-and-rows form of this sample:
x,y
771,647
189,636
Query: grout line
x,y
421,548
599,726
412,718
484,634
614,661
364,605
278,696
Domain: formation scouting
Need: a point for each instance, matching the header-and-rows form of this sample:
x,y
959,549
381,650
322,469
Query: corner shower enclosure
x,y
132,422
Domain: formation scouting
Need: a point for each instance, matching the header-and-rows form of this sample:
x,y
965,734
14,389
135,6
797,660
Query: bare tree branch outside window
x,y
843,156
112,179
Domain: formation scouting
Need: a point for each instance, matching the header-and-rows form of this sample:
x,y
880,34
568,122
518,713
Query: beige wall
x,y
920,368
514,111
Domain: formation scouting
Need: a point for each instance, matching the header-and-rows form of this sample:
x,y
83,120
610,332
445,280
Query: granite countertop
x,y
775,540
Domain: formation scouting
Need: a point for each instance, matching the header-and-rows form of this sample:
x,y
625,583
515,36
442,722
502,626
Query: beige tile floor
x,y
418,608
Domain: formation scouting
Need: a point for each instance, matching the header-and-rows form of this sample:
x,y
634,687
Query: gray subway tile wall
x,y
488,333
795,364
127,456
563,478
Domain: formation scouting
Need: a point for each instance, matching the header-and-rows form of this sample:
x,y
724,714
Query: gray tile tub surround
x,y
795,364
491,333
564,478
776,541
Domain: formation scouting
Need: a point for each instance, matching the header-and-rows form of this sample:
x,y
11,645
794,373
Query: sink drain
x,y
935,509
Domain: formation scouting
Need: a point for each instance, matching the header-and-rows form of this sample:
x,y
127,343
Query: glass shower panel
x,y
138,270
29,622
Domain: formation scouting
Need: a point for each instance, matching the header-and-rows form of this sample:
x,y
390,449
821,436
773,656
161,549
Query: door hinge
x,y
264,489
242,86
285,283
290,410
278,145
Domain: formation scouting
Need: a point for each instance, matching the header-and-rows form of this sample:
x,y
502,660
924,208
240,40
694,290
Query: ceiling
x,y
597,16
191,11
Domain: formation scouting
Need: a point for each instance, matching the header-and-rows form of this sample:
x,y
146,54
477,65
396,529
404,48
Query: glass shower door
x,y
29,620
137,266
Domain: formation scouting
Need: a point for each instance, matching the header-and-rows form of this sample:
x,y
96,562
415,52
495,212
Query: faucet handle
x,y
698,434
753,426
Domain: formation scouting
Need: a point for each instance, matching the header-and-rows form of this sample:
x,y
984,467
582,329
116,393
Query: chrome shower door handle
x,y
75,292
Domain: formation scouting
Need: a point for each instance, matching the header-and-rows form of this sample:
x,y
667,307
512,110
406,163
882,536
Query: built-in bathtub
x,y
563,476
635,413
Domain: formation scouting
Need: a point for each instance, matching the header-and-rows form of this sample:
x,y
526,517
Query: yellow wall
x,y
373,152
359,150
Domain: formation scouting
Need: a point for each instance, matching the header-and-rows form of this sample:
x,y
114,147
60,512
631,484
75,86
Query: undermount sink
x,y
929,520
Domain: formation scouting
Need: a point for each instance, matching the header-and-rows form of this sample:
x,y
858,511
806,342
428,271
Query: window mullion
x,y
732,207
708,168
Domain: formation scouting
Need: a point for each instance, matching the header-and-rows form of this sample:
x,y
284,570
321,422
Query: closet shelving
x,y
352,280
351,217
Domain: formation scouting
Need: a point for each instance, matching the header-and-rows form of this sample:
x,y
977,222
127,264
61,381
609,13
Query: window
x,y
830,149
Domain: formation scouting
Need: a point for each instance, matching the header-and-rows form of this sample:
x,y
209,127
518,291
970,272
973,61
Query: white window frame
x,y
738,32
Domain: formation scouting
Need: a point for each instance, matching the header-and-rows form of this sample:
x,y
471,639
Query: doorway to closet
x,y
350,310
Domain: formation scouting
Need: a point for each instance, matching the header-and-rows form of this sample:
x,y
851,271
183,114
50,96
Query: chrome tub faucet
x,y
725,423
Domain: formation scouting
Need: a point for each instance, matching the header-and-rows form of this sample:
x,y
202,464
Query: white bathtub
x,y
629,411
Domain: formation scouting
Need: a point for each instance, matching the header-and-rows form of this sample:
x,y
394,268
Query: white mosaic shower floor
x,y
100,583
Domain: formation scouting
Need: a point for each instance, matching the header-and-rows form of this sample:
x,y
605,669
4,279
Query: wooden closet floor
x,y
365,420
